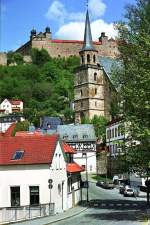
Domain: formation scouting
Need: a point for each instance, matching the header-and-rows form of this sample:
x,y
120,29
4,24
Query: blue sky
x,y
65,18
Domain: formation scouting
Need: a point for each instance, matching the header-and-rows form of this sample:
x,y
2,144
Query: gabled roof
x,y
14,102
50,123
68,149
37,150
74,168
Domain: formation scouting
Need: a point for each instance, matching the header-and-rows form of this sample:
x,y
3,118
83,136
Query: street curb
x,y
67,217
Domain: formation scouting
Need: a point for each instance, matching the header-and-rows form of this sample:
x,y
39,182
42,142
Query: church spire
x,y
88,44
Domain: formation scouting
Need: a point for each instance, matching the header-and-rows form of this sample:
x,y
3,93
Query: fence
x,y
25,212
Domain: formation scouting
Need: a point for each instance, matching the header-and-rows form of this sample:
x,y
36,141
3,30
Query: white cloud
x,y
97,8
75,30
56,11
71,24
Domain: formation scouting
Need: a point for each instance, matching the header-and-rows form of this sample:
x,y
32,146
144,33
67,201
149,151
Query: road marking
x,y
134,204
103,204
96,204
111,204
126,204
119,204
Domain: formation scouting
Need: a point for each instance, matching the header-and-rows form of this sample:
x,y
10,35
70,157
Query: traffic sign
x,y
50,186
50,181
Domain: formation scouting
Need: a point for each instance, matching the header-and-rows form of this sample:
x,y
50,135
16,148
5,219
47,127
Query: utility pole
x,y
87,183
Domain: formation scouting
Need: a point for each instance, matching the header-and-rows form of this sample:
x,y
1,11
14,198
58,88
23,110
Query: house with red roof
x,y
11,106
37,172
10,112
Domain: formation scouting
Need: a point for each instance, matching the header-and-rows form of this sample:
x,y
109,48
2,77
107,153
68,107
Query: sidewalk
x,y
55,218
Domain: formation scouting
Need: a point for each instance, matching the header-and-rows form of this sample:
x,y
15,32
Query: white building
x,y
27,164
11,106
10,112
115,137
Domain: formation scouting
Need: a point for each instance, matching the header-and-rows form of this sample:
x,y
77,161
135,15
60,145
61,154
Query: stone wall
x,y
65,48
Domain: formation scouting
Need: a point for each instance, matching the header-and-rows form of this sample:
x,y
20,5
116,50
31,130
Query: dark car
x,y
105,185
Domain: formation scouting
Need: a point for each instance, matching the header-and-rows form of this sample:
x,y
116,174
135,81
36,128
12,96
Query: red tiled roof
x,y
37,150
15,102
28,134
74,168
73,41
68,149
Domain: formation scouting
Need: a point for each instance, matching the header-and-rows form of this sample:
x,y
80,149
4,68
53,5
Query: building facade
x,y
10,111
82,138
93,90
38,174
66,48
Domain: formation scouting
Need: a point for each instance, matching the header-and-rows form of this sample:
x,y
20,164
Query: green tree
x,y
21,126
39,57
133,80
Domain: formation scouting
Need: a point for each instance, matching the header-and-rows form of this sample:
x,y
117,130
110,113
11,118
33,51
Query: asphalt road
x,y
108,207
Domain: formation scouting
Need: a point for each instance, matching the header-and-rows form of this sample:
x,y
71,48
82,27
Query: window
x,y
95,104
88,58
81,93
75,136
15,196
34,195
113,133
85,136
95,76
81,104
94,58
82,58
95,91
65,136
116,131
18,155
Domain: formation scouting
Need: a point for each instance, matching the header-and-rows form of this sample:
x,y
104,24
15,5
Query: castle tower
x,y
90,81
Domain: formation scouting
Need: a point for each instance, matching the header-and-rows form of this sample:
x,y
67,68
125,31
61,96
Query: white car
x,y
129,192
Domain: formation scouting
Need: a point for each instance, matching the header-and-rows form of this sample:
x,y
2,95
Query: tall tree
x,y
133,81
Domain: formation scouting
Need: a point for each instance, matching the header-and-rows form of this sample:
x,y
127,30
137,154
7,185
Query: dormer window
x,y
65,136
18,155
85,136
75,136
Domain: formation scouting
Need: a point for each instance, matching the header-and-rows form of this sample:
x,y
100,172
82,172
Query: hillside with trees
x,y
45,86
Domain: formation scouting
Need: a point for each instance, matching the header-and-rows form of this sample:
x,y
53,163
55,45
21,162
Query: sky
x,y
64,17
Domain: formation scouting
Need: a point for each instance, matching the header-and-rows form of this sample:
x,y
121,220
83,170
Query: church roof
x,y
88,43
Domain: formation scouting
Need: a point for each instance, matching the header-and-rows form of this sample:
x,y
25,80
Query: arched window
x,y
94,58
82,59
88,58
95,76
81,93
95,91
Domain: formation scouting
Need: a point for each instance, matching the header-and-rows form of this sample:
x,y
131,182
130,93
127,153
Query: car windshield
x,y
130,190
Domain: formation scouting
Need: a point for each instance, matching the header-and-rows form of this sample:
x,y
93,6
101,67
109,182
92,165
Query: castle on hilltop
x,y
65,48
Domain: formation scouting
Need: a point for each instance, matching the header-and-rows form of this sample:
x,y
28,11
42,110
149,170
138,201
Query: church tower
x,y
90,81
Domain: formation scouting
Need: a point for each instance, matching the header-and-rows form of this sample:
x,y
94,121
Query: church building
x,y
93,90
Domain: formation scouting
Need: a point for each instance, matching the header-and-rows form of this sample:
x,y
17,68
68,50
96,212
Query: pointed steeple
x,y
88,44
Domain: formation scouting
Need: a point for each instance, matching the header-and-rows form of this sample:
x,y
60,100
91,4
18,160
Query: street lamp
x,y
87,183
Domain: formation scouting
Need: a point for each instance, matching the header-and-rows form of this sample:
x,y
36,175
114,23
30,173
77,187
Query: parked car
x,y
105,184
129,192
